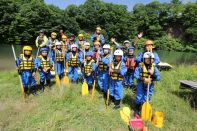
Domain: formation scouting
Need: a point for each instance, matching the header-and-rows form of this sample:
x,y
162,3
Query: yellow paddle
x,y
84,85
65,79
57,79
146,112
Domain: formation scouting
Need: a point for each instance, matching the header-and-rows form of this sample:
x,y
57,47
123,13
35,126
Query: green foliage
x,y
22,19
168,43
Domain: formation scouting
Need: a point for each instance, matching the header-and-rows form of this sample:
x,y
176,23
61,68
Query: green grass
x,y
66,110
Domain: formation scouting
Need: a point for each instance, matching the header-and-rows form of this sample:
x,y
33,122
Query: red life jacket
x,y
130,63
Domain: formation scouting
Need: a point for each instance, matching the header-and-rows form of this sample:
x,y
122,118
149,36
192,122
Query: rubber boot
x,y
117,104
26,92
90,89
138,109
42,86
33,89
111,100
48,84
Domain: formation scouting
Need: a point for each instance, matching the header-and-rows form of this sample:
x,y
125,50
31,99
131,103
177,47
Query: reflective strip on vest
x,y
26,64
73,60
144,73
115,75
88,67
45,63
59,56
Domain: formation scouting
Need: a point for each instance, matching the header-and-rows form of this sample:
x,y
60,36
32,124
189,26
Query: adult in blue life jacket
x,y
58,56
44,64
74,60
103,69
148,46
117,71
26,65
130,63
146,73
97,36
89,68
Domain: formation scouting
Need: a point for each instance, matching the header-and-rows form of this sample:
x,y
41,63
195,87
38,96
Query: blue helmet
x,y
43,49
131,48
89,54
118,47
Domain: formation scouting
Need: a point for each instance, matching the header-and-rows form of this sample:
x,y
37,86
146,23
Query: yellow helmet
x,y
97,43
98,28
53,33
27,48
80,35
148,42
64,37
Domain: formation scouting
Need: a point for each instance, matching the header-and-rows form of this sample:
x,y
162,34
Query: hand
x,y
88,74
111,70
113,40
147,80
33,74
150,72
140,35
45,70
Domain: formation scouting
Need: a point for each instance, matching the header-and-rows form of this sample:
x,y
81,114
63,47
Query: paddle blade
x,y
93,90
66,81
57,80
146,112
84,88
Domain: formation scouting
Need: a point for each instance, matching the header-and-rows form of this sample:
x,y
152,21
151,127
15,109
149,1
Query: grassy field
x,y
65,109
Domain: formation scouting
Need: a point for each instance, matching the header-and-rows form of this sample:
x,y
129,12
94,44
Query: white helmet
x,y
148,55
118,52
86,44
58,43
73,46
106,46
126,41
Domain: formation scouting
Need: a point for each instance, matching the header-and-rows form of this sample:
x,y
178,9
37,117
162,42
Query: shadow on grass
x,y
130,101
187,95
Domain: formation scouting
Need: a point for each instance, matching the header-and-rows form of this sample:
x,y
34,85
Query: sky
x,y
130,3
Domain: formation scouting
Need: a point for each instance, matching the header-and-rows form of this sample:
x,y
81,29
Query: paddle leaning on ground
x,y
21,84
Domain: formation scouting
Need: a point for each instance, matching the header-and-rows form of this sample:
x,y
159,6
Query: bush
x,y
169,43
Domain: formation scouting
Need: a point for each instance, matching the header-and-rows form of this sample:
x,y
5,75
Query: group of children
x,y
112,69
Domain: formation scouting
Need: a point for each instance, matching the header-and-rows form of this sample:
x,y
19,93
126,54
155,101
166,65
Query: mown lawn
x,y
65,109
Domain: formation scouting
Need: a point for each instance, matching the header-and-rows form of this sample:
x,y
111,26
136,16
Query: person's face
x,y
88,57
87,47
72,38
74,49
98,31
58,46
53,36
126,45
131,52
96,47
118,58
27,52
41,34
44,53
64,39
106,51
149,61
80,37
149,47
